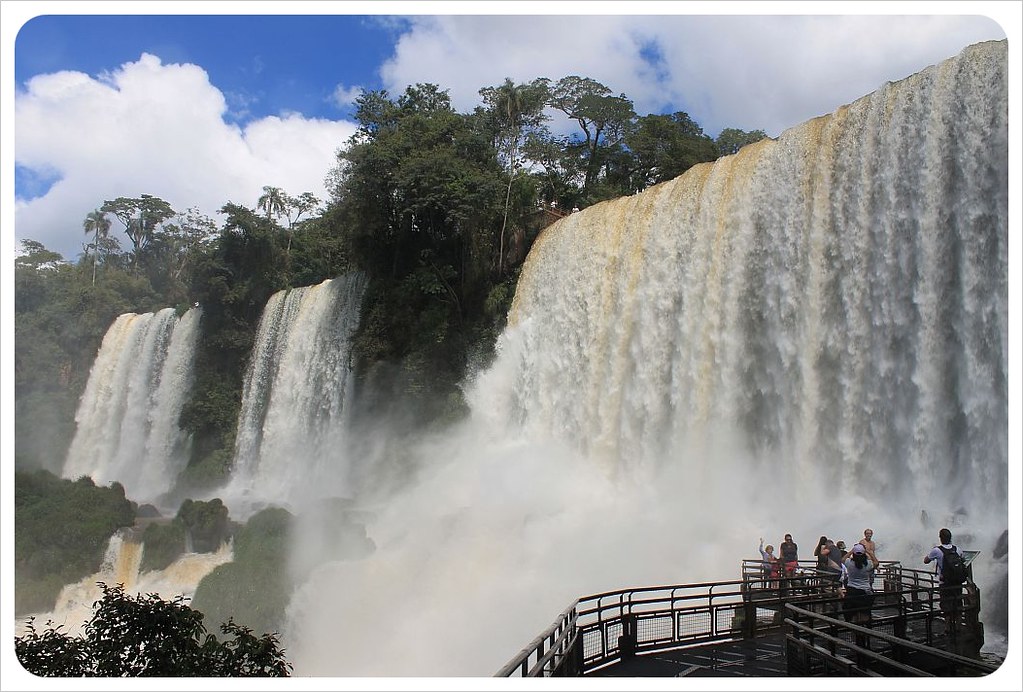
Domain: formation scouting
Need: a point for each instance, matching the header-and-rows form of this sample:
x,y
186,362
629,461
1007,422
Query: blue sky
x,y
201,109
265,64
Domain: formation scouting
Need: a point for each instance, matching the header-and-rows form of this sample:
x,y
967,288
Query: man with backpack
x,y
951,570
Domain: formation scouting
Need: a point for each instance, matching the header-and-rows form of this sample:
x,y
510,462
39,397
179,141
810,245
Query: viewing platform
x,y
756,626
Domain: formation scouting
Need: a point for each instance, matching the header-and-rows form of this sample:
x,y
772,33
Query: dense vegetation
x,y
62,529
145,636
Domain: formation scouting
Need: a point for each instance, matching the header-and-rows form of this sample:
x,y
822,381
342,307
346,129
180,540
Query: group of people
x,y
853,569
831,555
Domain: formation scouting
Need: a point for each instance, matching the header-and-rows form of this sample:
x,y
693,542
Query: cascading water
x,y
292,424
127,427
120,566
809,336
835,301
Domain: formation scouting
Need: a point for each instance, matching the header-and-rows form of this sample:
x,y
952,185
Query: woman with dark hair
x,y
822,557
857,585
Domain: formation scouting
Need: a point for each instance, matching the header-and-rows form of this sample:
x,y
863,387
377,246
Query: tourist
x,y
947,595
822,557
857,585
868,544
770,561
834,556
789,555
843,552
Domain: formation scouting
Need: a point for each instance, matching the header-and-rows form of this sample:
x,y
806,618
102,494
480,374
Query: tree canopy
x,y
146,636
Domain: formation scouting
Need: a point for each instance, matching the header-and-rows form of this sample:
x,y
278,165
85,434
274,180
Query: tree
x,y
96,223
273,202
513,107
145,636
664,147
603,118
732,140
140,216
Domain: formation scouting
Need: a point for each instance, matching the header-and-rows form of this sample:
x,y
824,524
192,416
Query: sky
x,y
201,105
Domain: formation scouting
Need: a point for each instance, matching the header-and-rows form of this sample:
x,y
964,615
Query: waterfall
x,y
121,563
127,427
833,303
807,337
292,424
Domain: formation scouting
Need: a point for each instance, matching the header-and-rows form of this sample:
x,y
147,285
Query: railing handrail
x,y
959,660
598,612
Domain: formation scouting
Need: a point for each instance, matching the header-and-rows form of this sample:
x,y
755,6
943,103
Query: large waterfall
x,y
833,304
292,425
127,420
810,336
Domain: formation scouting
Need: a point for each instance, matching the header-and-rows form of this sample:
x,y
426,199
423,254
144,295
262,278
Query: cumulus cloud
x,y
153,128
750,72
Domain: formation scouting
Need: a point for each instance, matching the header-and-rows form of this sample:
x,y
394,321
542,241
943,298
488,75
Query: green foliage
x,y
164,543
664,147
145,636
62,531
206,522
731,140
254,586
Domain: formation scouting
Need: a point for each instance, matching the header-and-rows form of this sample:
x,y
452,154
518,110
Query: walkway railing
x,y
603,629
821,644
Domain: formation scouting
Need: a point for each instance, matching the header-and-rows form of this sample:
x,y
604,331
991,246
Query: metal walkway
x,y
760,657
754,626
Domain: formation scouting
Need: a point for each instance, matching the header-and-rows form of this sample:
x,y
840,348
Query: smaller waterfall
x,y
121,565
128,415
291,426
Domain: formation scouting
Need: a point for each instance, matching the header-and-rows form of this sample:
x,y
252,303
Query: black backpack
x,y
953,569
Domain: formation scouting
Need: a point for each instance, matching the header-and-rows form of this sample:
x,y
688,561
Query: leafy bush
x,y
206,522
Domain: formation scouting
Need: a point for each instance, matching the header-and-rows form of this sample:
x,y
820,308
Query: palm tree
x,y
274,201
97,223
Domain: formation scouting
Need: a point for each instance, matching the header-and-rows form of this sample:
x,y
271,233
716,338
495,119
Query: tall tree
x,y
604,119
140,216
96,223
514,108
273,202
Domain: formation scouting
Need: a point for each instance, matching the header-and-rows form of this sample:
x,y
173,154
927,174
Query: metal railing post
x,y
627,642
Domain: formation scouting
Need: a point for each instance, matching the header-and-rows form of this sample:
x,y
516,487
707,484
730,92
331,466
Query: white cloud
x,y
155,129
344,96
751,72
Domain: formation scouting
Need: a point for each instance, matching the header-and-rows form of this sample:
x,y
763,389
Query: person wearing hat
x,y
857,585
